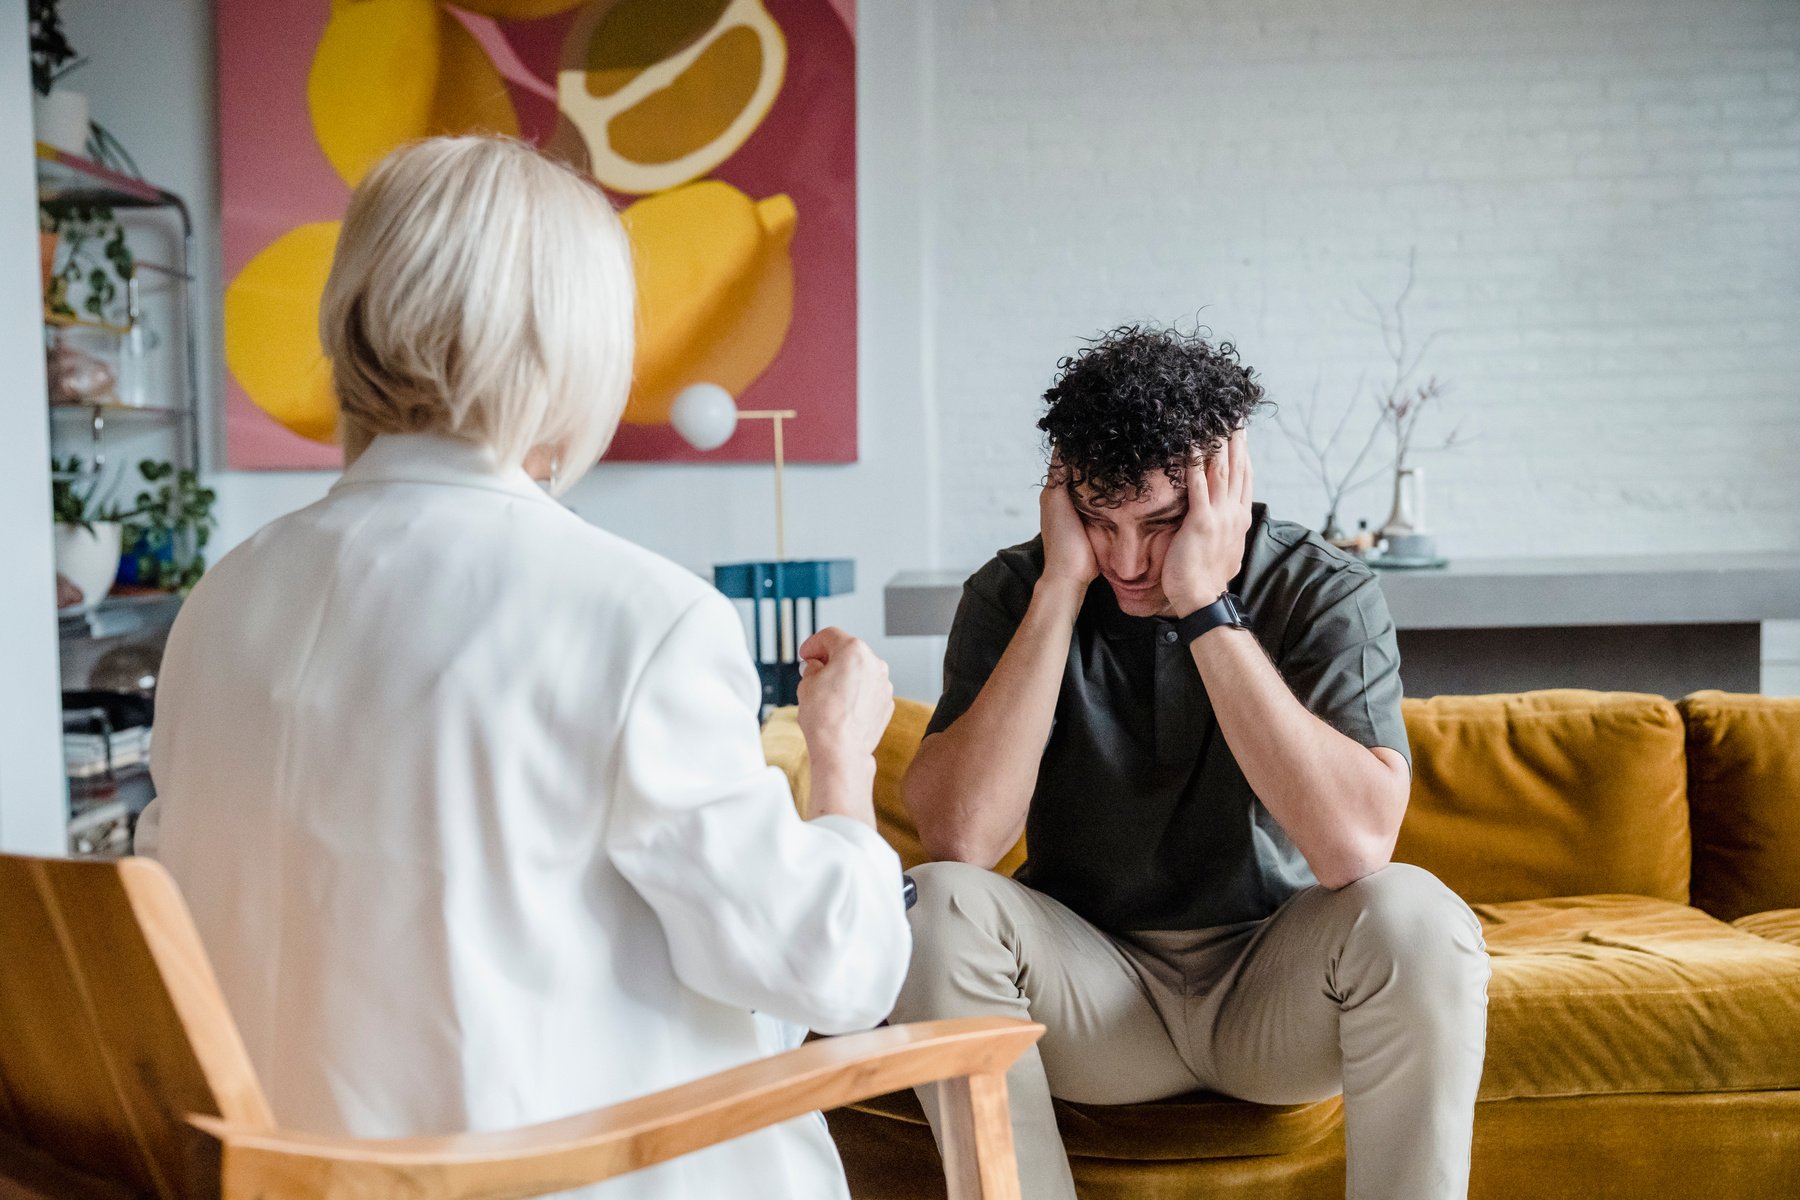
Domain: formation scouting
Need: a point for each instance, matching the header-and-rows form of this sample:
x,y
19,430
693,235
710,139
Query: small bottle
x,y
136,388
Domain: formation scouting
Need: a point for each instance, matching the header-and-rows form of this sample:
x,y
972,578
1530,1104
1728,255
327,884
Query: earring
x,y
555,470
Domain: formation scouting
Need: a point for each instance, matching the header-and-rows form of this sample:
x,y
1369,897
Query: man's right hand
x,y
1068,555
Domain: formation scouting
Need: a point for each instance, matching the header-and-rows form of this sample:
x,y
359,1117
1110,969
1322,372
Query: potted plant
x,y
166,531
59,115
97,263
88,535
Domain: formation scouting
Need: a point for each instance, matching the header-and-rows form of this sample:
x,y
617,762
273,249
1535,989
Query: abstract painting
x,y
724,131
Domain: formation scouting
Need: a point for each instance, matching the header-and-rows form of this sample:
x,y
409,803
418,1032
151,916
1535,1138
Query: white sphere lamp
x,y
704,415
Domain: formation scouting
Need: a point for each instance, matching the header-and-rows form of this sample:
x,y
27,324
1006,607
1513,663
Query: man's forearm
x,y
970,786
1339,802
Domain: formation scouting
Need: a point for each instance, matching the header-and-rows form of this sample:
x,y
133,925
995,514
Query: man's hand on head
x,y
1207,552
1068,555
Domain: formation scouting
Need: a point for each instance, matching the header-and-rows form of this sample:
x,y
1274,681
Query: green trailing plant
x,y
77,496
96,261
167,531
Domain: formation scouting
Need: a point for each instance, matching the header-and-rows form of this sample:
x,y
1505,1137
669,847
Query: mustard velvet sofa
x,y
1635,864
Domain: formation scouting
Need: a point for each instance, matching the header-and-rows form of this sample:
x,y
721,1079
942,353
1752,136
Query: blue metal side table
x,y
784,611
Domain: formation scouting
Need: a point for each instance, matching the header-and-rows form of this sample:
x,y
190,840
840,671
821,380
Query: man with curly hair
x,y
1192,710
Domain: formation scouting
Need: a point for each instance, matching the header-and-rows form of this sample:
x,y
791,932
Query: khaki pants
x,y
1377,990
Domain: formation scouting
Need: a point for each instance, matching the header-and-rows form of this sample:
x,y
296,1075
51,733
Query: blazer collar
x,y
440,459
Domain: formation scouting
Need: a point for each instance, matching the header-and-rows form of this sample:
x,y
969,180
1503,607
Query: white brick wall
x,y
1604,196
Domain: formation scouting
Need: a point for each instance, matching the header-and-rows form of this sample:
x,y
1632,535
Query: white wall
x,y
33,798
1604,196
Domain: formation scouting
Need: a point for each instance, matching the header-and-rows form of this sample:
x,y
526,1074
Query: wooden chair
x,y
122,1075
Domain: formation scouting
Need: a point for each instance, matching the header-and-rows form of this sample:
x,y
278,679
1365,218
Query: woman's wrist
x,y
843,784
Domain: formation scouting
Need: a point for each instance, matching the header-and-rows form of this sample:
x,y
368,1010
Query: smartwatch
x,y
1223,611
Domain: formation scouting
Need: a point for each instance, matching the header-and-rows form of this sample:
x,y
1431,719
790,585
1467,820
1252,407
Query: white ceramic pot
x,y
90,561
61,118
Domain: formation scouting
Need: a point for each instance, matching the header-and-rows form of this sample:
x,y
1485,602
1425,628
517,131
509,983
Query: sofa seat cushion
x,y
1197,1125
1613,994
1782,925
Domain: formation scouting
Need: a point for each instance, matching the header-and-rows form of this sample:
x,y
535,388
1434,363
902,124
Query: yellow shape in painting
x,y
471,96
390,71
373,84
663,91
272,331
715,291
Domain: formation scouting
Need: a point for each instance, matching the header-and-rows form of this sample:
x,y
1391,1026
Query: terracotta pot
x,y
47,243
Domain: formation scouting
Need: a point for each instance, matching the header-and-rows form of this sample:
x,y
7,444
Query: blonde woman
x,y
466,795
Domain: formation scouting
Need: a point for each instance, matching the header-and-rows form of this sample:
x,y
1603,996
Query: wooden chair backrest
x,y
112,1027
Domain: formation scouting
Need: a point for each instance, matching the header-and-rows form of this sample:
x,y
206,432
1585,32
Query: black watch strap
x,y
1223,611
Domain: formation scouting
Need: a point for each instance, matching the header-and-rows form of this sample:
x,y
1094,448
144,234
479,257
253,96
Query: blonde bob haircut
x,y
481,290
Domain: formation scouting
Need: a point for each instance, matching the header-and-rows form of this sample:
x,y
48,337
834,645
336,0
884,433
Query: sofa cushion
x,y
1612,994
1554,793
1197,1125
784,747
1744,789
1781,925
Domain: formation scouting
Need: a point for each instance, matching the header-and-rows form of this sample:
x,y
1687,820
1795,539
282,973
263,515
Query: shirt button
x,y
1170,636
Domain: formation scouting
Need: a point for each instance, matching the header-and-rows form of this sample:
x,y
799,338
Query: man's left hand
x,y
1207,552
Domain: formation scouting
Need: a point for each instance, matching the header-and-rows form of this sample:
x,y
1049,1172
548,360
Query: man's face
x,y
1131,539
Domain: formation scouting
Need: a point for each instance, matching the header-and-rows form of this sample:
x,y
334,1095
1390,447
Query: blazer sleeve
x,y
802,920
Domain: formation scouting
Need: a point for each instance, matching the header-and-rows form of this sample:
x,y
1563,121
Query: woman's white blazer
x,y
468,801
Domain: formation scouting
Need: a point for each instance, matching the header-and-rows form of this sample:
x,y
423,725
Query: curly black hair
x,y
1143,398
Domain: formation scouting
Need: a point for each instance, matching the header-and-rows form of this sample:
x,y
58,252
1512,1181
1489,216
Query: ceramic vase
x,y
89,559
61,119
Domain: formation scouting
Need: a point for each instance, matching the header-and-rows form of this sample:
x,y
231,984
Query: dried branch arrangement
x,y
1399,403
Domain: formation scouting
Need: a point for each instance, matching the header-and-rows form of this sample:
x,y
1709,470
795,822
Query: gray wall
x,y
33,799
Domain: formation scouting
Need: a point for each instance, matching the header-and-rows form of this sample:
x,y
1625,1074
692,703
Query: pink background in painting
x,y
275,177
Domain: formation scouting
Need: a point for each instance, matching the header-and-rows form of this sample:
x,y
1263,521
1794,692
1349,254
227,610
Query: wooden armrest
x,y
624,1137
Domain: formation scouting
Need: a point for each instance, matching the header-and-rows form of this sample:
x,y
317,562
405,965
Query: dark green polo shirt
x,y
1141,819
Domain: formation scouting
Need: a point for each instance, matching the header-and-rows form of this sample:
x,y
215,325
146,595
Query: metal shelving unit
x,y
104,807
121,615
64,178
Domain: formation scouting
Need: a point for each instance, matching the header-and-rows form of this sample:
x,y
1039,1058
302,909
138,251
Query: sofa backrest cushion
x,y
1555,793
785,747
1744,794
